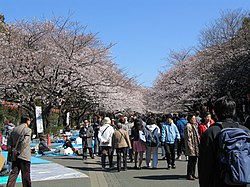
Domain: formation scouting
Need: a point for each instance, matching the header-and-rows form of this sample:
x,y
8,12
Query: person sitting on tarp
x,y
67,147
67,143
43,146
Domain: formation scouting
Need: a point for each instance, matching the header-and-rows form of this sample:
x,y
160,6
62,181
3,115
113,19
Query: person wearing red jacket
x,y
208,121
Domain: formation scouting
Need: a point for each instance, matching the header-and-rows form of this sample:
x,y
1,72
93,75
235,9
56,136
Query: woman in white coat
x,y
105,137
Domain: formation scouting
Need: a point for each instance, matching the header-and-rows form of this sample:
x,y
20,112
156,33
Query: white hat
x,y
106,120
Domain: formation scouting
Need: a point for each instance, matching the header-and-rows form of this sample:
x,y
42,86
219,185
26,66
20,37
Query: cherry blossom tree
x,y
219,66
56,64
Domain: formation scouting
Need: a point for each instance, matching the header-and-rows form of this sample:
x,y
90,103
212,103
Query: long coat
x,y
87,134
191,139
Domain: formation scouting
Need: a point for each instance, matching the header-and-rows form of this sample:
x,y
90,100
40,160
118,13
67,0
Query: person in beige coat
x,y
121,143
191,139
23,147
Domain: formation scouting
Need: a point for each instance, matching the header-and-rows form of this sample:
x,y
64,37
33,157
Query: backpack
x,y
152,138
234,156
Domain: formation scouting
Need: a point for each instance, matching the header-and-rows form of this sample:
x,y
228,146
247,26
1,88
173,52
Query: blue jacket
x,y
181,123
169,133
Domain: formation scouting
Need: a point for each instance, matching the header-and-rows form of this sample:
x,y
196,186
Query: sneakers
x,y
168,167
178,158
148,165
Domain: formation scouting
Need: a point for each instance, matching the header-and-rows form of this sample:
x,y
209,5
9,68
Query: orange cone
x,y
48,141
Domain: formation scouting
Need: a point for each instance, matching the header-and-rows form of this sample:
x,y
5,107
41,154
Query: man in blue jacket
x,y
169,135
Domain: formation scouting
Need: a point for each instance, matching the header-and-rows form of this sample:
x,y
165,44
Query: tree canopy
x,y
219,66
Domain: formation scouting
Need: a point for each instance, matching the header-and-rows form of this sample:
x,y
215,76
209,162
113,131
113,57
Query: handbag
x,y
142,136
14,154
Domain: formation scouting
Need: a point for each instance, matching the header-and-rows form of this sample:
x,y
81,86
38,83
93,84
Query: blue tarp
x,y
34,160
4,179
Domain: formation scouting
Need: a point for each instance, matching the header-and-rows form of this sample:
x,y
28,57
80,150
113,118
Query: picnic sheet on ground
x,y
42,170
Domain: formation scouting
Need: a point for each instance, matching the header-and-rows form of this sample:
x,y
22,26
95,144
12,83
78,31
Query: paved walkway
x,y
95,177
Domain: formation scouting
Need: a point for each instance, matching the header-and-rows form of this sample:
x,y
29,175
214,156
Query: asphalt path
x,y
96,177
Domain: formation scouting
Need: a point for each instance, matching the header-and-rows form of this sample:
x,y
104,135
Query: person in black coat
x,y
208,165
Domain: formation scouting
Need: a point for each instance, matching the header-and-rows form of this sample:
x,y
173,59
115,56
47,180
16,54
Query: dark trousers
x,y
192,160
181,147
170,153
131,152
106,151
84,150
131,156
24,166
121,153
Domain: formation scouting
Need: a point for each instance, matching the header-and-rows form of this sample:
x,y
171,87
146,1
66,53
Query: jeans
x,y
149,152
97,150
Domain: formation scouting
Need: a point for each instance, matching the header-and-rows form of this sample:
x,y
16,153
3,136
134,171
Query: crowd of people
x,y
176,135
191,136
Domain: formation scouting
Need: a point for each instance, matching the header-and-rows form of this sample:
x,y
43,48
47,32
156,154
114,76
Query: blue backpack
x,y
234,155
